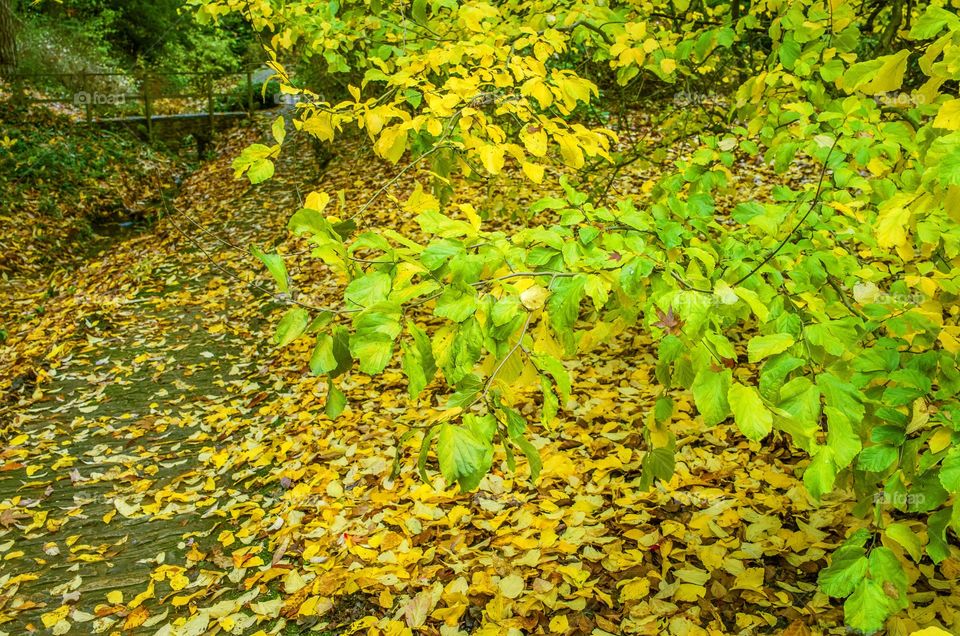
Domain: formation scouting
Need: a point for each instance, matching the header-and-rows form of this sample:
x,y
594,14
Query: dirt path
x,y
125,414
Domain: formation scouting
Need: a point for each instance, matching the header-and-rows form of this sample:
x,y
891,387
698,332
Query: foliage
x,y
57,178
844,286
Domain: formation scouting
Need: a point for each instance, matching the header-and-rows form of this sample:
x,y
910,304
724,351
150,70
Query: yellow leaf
x,y
635,589
392,143
52,618
127,510
534,139
750,579
317,201
534,171
570,151
511,586
948,116
115,597
668,65
536,88
930,631
883,79
320,125
689,592
891,229
492,158
534,297
137,600
950,339
559,624
178,582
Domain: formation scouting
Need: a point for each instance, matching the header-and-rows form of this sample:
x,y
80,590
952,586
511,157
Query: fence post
x,y
210,102
249,93
147,105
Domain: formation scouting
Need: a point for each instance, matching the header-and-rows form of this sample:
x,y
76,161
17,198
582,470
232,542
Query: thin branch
x,y
813,204
499,367
524,275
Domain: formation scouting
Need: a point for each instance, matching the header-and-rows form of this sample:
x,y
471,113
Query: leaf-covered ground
x,y
62,184
166,469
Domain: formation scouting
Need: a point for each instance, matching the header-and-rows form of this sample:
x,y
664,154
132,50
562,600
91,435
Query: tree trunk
x,y
8,39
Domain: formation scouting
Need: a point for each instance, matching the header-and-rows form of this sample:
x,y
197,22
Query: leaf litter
x,y
168,470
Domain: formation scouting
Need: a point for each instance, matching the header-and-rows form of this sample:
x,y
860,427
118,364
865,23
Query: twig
x,y
499,367
524,275
813,204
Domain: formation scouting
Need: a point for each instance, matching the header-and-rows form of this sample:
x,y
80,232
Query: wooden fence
x,y
150,88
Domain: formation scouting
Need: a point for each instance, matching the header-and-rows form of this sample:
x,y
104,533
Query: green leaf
x,y
848,566
877,459
275,266
841,438
457,302
434,222
532,455
753,418
309,221
932,22
323,360
563,308
821,473
336,401
260,170
880,75
464,457
710,389
468,389
555,368
886,568
372,342
658,463
907,538
419,11
418,362
950,470
937,546
761,347
425,451
293,323
369,290
867,608
550,403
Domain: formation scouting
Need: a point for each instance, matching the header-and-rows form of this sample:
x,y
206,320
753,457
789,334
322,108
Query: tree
x,y
842,289
8,38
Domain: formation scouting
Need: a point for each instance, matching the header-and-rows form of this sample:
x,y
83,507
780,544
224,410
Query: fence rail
x,y
151,87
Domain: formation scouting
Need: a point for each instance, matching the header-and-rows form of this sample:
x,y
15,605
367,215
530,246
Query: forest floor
x,y
166,469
